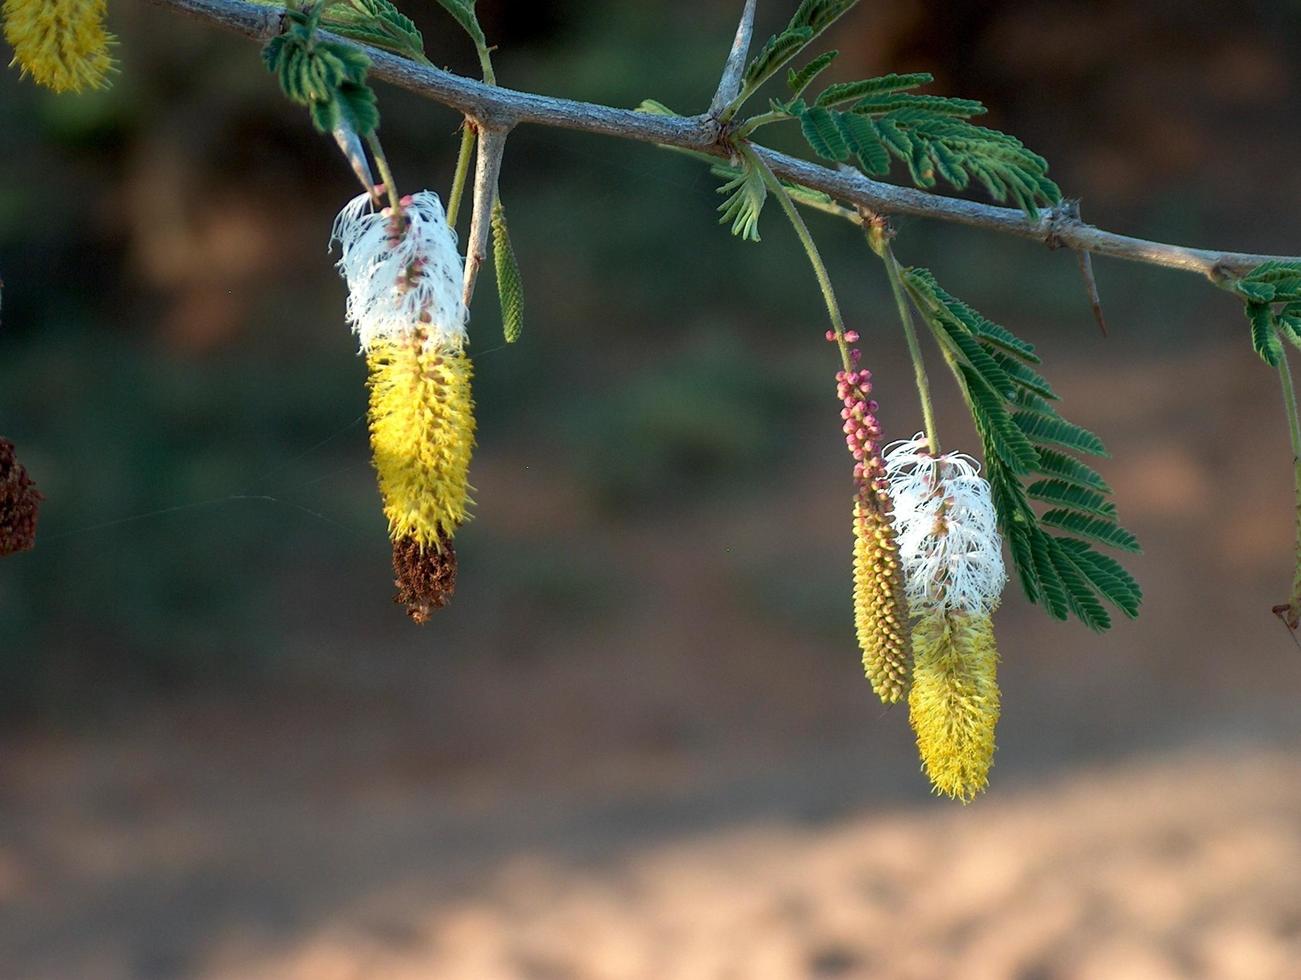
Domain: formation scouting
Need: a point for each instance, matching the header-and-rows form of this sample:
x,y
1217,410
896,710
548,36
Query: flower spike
x,y
954,702
948,531
62,44
880,616
404,301
19,503
403,271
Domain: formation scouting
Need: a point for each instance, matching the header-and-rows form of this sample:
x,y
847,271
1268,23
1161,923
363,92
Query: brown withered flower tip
x,y
426,577
19,503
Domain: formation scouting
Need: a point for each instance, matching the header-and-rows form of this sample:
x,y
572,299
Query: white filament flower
x,y
400,280
947,530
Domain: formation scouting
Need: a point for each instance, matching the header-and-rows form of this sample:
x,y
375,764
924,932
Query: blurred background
x,y
638,744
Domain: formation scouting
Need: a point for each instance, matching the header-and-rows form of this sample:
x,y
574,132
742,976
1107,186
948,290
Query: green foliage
x,y
1026,441
1264,287
810,19
375,22
746,195
798,81
779,49
463,13
871,87
931,135
327,77
653,107
510,284
818,15
823,134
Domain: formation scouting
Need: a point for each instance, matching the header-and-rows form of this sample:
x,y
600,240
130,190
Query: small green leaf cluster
x,y
377,23
747,192
327,77
1272,294
1031,455
931,135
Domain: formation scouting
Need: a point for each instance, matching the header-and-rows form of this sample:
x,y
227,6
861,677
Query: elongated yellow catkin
x,y
954,702
880,615
422,437
63,44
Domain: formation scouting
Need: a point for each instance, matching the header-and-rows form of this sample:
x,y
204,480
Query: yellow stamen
x,y
422,436
879,612
954,703
63,44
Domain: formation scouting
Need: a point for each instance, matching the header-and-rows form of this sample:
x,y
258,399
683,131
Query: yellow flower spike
x,y
954,702
422,436
880,615
62,44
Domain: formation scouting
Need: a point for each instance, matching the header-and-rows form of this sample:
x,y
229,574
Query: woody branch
x,y
502,108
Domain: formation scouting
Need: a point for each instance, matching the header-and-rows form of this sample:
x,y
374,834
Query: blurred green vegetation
x,y
176,373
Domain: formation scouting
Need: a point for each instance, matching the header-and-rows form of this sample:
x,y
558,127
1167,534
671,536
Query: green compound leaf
x,y
1066,494
746,195
989,412
823,134
1264,338
463,13
1062,574
1056,431
818,15
1106,574
872,87
1052,592
327,77
932,136
1079,592
798,81
510,284
1059,465
1098,529
1030,381
779,49
1272,281
378,23
864,142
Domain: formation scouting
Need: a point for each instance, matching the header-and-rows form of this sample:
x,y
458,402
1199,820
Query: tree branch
x,y
729,86
502,108
492,146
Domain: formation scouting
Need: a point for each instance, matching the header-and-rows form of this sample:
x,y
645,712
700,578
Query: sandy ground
x,y
701,786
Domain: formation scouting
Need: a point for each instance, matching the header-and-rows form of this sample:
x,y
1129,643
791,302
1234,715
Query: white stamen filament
x,y
947,530
396,286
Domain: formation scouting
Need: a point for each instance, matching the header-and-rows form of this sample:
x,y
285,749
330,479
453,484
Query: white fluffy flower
x,y
947,530
397,284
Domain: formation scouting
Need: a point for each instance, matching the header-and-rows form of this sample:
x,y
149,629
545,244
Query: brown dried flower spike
x,y
426,576
19,503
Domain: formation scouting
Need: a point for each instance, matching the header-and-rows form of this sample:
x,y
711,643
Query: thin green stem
x,y
385,174
1290,406
1291,612
485,63
914,348
811,249
468,137
763,119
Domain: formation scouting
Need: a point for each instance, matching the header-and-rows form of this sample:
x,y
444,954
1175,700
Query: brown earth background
x,y
638,745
